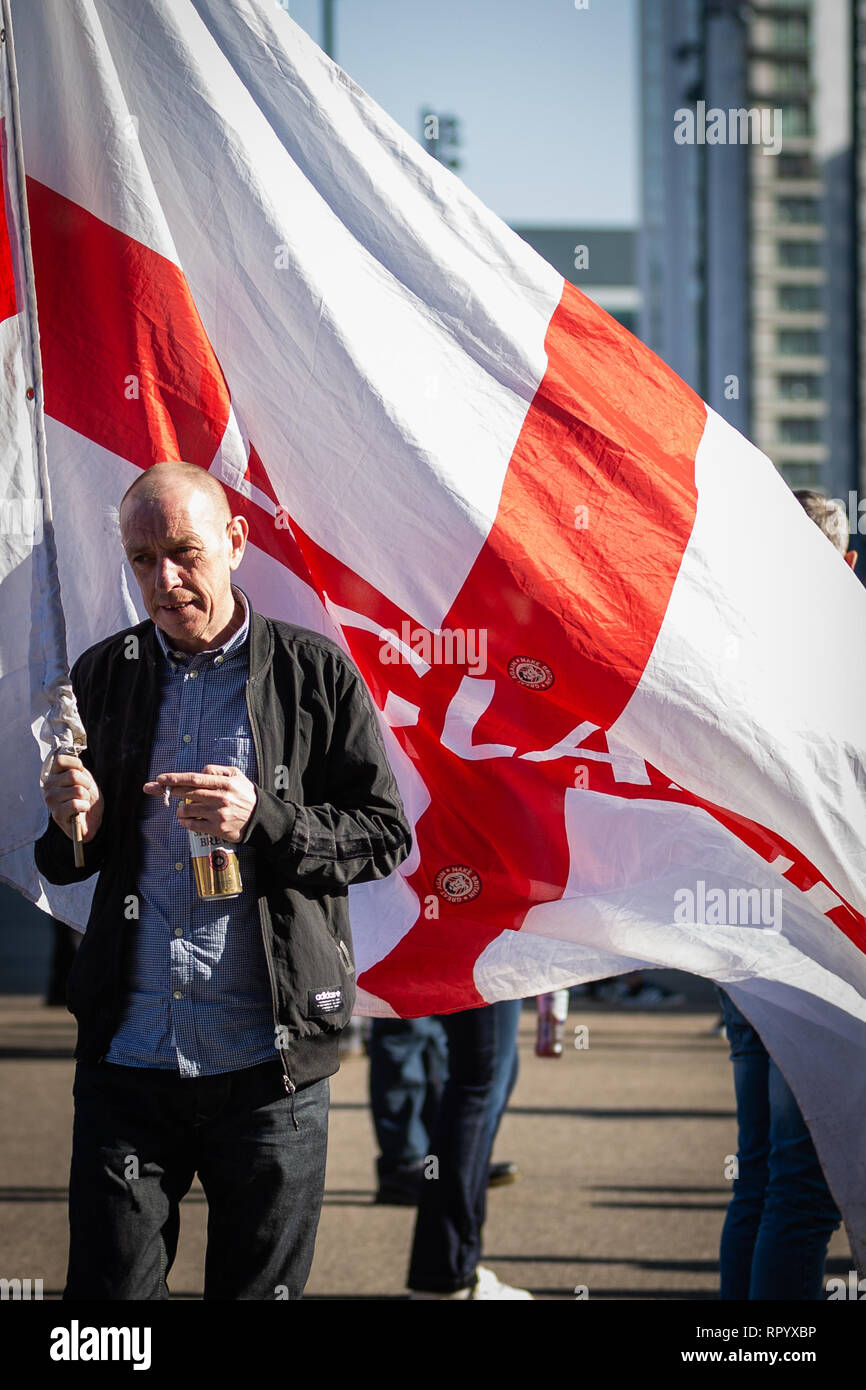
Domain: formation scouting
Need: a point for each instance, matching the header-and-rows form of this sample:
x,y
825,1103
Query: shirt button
x,y
178,866
217,661
178,994
187,738
192,675
178,931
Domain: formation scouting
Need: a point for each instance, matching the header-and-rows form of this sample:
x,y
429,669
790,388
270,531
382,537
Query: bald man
x,y
208,1025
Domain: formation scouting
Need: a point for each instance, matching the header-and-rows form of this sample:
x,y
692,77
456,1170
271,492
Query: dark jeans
x,y
408,1066
482,1068
140,1136
781,1216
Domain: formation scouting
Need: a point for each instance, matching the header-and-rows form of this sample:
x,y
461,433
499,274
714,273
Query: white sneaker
x,y
423,1294
488,1286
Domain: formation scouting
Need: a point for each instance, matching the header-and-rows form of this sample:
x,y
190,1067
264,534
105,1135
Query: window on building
x,y
795,119
798,342
801,474
791,76
795,166
801,299
797,210
790,31
801,387
798,431
799,254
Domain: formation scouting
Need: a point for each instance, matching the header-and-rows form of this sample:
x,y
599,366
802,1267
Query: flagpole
x,y
55,668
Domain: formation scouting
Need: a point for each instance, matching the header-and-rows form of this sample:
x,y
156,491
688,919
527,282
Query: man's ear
x,y
851,558
237,531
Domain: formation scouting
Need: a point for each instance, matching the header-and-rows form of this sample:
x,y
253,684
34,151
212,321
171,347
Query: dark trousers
x,y
482,1068
141,1135
408,1066
782,1214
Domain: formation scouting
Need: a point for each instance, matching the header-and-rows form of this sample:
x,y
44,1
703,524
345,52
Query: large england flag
x,y
619,670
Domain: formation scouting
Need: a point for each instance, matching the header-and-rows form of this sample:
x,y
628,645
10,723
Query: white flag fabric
x,y
613,657
32,636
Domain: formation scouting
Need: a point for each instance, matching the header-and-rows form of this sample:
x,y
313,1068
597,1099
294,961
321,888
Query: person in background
x,y
408,1067
482,1069
781,1215
408,1071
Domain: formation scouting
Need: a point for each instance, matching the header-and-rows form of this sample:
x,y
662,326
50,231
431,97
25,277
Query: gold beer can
x,y
215,866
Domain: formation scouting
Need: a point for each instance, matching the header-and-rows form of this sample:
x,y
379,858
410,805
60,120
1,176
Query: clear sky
x,y
547,94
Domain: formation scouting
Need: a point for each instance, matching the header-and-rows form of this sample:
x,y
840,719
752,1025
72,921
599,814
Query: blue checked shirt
x,y
199,998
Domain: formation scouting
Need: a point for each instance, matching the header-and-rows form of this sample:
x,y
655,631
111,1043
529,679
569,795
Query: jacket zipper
x,y
287,1080
346,958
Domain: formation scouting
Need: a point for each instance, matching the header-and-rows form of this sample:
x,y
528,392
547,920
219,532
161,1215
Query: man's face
x,y
182,552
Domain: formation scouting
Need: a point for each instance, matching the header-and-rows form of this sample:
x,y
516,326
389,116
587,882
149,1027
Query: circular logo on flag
x,y
457,883
535,675
219,860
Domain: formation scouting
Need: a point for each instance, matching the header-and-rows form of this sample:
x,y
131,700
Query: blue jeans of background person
x,y
482,1051
408,1066
506,1076
140,1136
781,1216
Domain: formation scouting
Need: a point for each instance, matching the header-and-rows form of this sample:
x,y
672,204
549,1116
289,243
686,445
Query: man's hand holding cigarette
x,y
219,799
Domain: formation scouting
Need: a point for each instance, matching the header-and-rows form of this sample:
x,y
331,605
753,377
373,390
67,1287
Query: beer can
x,y
215,866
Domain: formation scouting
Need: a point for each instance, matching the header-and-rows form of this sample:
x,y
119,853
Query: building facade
x,y
749,259
601,261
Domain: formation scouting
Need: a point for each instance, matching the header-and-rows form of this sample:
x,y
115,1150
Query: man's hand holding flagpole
x,y
67,786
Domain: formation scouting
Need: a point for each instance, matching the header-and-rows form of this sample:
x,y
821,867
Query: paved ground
x,y
622,1147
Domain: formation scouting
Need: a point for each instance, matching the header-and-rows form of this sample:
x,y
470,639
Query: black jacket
x,y
327,814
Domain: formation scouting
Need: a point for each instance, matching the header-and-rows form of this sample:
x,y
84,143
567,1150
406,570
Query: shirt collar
x,y
234,643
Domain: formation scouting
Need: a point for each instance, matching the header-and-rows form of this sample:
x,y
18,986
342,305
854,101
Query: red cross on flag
x,y
620,672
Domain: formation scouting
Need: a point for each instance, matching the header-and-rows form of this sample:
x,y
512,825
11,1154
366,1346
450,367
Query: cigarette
x,y
166,796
